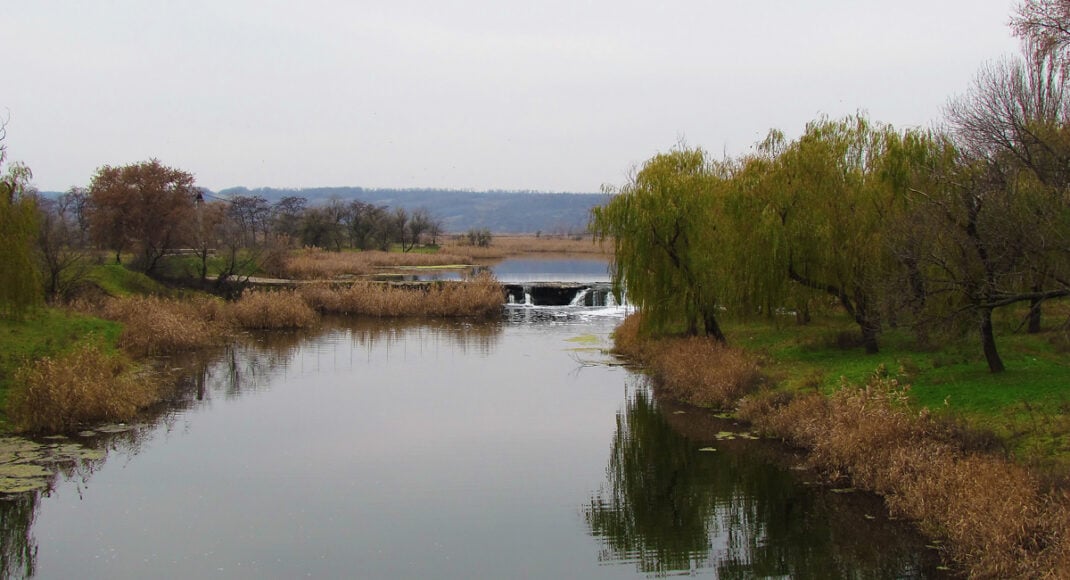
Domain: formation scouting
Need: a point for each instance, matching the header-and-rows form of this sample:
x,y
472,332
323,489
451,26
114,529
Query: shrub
x,y
59,394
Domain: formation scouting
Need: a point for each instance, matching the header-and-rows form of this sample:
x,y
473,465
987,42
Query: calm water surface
x,y
444,450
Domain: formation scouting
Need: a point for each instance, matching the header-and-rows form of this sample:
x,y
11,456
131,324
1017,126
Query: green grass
x,y
117,280
1027,407
47,332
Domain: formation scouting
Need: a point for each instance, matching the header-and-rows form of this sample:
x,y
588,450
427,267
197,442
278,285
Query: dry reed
x,y
695,370
86,385
281,309
153,325
504,246
482,297
317,264
996,518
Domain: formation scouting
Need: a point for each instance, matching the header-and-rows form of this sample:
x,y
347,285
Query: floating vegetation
x,y
731,435
24,464
708,449
115,428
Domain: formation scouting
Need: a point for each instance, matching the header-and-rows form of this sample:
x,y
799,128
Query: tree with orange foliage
x,y
147,207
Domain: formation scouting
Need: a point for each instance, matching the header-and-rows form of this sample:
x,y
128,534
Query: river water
x,y
509,449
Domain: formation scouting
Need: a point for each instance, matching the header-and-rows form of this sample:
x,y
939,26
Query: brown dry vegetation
x,y
997,518
479,298
504,246
317,264
695,370
280,309
59,394
154,325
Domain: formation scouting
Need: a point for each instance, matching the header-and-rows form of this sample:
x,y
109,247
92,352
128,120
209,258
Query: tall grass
x,y
482,297
317,264
997,519
692,369
154,325
281,309
504,246
86,385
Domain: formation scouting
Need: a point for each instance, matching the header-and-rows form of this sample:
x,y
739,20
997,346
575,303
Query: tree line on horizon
x,y
149,210
919,227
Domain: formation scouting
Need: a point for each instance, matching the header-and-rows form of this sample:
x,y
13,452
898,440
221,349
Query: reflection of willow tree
x,y
668,508
657,507
18,548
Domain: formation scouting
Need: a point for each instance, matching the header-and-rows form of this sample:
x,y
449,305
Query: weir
x,y
560,294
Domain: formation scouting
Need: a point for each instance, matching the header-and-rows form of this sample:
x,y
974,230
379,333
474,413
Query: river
x,y
384,449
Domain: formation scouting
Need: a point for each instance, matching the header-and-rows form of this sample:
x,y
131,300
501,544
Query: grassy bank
x,y
47,333
62,368
978,460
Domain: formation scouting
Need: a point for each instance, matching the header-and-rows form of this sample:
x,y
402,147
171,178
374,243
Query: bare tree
x,y
62,242
1044,24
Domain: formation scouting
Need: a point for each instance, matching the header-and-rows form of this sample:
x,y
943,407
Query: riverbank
x,y
983,489
49,358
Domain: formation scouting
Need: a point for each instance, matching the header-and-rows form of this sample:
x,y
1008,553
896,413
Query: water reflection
x,y
393,449
669,508
18,547
243,367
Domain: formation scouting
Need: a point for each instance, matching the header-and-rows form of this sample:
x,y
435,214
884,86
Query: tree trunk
x,y
713,329
869,337
988,342
1034,316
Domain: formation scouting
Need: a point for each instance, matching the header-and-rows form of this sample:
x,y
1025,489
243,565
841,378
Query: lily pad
x,y
21,485
26,457
585,339
23,471
87,433
115,428
725,436
15,445
843,490
708,449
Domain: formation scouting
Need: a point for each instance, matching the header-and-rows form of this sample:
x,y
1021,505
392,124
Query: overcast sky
x,y
549,95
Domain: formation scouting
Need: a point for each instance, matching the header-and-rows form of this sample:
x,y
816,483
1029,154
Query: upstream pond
x,y
382,449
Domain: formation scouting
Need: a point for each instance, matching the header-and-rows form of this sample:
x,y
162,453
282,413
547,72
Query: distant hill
x,y
498,211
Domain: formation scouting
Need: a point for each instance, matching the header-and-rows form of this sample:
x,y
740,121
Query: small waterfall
x,y
580,299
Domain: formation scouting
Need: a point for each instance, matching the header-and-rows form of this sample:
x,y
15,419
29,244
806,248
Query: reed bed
x,y
482,297
997,519
504,246
271,310
153,325
86,385
695,370
317,264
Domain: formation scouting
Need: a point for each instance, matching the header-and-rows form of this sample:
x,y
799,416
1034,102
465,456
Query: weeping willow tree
x,y
20,282
818,211
669,243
